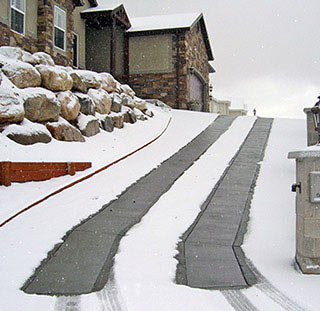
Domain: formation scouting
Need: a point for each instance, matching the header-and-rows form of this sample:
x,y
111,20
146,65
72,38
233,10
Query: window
x,y
17,14
60,27
75,50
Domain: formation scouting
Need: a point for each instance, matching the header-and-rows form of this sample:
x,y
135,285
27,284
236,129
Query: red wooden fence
x,y
36,171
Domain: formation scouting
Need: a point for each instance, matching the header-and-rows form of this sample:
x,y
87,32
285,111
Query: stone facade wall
x,y
163,86
45,30
44,41
196,56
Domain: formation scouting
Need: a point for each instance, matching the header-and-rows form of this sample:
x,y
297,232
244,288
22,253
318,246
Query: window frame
x,y
12,7
55,9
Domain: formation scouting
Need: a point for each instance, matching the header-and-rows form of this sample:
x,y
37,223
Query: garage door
x,y
196,93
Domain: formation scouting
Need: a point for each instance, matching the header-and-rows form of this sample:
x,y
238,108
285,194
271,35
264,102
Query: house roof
x,y
170,23
102,14
102,7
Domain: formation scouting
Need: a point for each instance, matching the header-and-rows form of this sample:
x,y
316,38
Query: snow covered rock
x,y
78,83
43,59
148,113
140,116
125,88
11,104
116,102
139,103
17,54
40,105
21,74
55,79
88,125
91,79
102,100
108,83
70,107
28,133
118,120
86,103
127,101
130,117
62,130
105,122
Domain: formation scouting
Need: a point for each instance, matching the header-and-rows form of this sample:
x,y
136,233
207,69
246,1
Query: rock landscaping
x,y
40,101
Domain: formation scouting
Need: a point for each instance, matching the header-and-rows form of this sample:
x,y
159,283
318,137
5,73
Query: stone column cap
x,y
312,152
307,109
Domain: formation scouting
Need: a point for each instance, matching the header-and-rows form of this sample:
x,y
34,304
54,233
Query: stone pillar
x,y
307,210
311,132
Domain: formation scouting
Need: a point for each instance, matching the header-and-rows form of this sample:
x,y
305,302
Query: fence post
x,y
5,173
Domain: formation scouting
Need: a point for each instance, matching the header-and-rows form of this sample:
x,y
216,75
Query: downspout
x,y
177,70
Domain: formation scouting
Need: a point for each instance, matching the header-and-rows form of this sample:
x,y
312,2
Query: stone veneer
x,y
44,41
163,86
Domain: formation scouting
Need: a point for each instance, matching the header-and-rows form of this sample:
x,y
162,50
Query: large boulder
x,y
78,82
116,102
21,74
125,88
28,133
86,103
11,104
140,104
127,101
140,116
90,78
108,83
64,131
40,105
105,122
17,54
70,107
102,100
129,116
88,125
118,120
55,79
43,59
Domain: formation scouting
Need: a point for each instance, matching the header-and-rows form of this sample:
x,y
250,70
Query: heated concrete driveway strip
x,y
82,263
210,253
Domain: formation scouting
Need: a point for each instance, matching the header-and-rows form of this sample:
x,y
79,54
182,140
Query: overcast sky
x,y
267,52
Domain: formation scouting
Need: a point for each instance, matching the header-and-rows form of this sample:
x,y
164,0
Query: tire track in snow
x,y
265,286
238,300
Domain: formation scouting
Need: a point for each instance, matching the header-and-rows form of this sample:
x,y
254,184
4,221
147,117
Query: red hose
x,y
85,177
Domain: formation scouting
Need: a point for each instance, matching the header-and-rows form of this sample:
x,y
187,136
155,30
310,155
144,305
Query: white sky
x,y
267,52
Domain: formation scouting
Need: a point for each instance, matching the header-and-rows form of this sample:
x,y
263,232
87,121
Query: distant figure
x,y
254,111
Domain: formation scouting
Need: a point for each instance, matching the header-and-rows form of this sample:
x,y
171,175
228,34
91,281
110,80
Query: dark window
x,y
17,13
75,50
59,38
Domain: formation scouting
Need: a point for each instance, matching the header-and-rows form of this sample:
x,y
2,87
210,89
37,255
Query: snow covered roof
x,y
169,23
160,22
110,6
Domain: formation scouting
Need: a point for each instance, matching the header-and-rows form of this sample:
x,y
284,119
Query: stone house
x,y
39,25
162,57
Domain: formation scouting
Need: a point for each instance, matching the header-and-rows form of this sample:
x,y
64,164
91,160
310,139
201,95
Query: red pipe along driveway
x,y
85,177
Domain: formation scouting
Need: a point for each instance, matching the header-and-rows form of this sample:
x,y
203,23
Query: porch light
x,y
316,117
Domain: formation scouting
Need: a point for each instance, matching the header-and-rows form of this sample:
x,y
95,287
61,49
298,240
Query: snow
x,y
144,270
157,22
32,92
26,127
26,240
102,7
146,253
83,120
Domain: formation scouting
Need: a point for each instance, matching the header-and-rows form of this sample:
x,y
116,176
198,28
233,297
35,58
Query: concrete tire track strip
x,y
82,262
